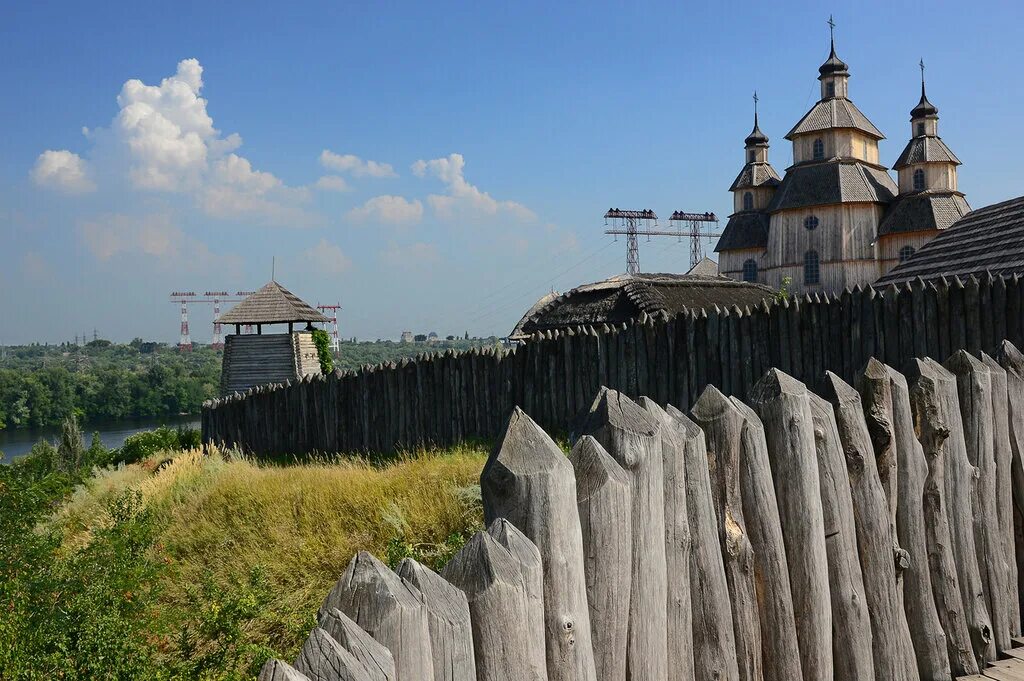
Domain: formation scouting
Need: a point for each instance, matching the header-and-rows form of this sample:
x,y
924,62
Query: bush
x,y
147,443
323,350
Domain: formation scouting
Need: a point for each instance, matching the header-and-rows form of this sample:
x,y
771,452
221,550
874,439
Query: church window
x,y
819,149
920,129
811,222
812,269
750,156
748,201
918,180
831,89
750,270
906,252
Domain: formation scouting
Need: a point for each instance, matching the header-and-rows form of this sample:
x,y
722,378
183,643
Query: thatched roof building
x,y
625,297
272,304
989,239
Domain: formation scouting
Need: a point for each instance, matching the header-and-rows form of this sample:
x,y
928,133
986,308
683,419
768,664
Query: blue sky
x,y
435,167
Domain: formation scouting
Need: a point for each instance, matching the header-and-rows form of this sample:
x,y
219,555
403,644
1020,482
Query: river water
x,y
15,443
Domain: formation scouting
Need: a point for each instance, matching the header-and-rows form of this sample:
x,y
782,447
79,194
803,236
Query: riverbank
x,y
15,443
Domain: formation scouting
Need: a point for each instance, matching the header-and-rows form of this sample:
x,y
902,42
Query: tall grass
x,y
220,517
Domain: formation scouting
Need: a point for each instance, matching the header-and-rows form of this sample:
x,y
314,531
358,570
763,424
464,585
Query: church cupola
x,y
834,74
926,163
755,185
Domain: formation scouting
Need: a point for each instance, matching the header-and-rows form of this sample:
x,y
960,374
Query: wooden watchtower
x,y
260,358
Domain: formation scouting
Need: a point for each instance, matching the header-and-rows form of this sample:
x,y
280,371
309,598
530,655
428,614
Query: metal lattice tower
x,y
218,335
335,341
185,339
185,298
693,225
629,222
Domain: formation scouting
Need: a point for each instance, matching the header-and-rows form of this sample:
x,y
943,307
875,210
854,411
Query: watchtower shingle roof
x,y
835,112
834,181
272,304
989,239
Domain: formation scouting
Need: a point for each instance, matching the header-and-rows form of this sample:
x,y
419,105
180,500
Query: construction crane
x,y
633,223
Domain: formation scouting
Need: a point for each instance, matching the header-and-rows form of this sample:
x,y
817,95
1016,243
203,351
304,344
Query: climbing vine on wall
x,y
323,350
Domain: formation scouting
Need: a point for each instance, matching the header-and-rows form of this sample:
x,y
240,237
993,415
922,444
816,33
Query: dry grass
x,y
218,517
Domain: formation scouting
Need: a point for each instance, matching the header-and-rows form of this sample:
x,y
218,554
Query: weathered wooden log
x,y
1004,488
388,608
633,438
531,567
375,658
723,426
323,659
926,631
677,544
933,392
528,481
851,626
974,388
893,651
503,644
782,404
872,382
277,670
451,631
1012,361
714,646
779,649
604,501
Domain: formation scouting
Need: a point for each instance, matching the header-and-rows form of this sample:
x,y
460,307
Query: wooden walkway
x,y
1009,669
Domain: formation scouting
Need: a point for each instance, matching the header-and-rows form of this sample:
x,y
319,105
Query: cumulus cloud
x,y
412,255
63,171
332,183
357,167
154,238
327,257
395,210
464,199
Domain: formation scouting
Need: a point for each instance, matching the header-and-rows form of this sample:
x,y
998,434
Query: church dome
x,y
924,108
834,66
756,137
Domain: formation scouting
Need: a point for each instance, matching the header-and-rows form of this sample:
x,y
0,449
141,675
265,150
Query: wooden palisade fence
x,y
866,532
445,398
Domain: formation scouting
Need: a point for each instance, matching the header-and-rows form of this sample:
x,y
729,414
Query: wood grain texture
x,y
504,643
323,659
926,631
451,630
893,652
1012,361
531,567
603,501
1004,488
633,438
276,670
851,626
389,609
974,389
375,658
714,646
779,649
937,416
723,426
782,404
530,482
677,544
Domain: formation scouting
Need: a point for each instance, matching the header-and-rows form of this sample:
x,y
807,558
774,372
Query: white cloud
x,y
395,210
327,257
347,163
154,238
332,183
413,255
464,199
63,171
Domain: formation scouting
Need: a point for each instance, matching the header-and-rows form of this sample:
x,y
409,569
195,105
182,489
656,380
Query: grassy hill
x,y
187,565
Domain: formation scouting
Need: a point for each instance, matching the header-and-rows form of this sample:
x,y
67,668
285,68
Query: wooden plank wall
x,y
445,398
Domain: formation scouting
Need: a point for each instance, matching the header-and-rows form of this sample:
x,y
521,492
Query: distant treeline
x,y
42,385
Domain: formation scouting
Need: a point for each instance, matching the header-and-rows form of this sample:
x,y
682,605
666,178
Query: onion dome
x,y
924,108
834,66
756,137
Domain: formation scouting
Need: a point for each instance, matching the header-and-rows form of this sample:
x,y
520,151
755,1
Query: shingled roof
x,y
925,150
622,298
272,304
989,239
748,229
923,211
756,175
835,112
835,181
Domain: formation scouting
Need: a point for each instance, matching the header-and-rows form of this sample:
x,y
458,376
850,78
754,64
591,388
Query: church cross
x,y
831,28
921,64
